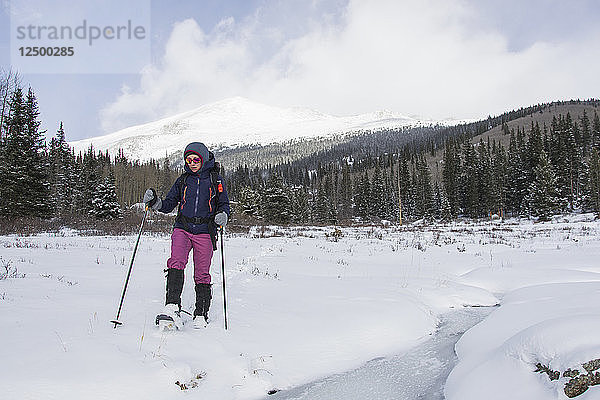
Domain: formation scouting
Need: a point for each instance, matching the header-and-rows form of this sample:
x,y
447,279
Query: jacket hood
x,y
201,151
206,166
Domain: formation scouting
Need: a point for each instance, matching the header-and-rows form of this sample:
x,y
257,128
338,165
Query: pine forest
x,y
548,167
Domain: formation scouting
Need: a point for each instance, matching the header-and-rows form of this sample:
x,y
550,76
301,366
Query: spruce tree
x,y
543,199
62,174
345,201
105,205
516,177
584,179
574,158
586,134
391,192
166,179
451,176
562,140
276,201
320,206
593,186
404,183
596,130
38,158
470,181
535,146
488,201
300,206
24,171
12,170
423,190
330,183
249,202
499,166
378,196
88,180
362,201
441,204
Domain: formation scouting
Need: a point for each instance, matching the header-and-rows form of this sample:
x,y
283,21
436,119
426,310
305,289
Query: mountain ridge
x,y
236,122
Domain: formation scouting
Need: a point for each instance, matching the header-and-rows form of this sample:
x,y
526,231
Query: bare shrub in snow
x,y
7,270
334,236
192,383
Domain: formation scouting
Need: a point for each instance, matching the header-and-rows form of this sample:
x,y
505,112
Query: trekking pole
x,y
223,273
116,320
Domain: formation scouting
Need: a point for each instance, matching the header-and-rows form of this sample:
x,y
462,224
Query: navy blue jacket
x,y
200,199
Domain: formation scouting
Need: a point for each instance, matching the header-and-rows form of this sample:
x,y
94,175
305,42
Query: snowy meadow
x,y
304,303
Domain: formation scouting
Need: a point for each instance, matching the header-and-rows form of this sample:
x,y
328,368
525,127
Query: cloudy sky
x,y
430,58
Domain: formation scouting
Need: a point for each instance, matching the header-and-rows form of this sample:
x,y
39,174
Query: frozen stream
x,y
418,374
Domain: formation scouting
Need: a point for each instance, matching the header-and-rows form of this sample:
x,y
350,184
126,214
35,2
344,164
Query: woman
x,y
203,205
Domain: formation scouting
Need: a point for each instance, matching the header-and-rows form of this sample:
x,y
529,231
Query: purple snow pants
x,y
181,244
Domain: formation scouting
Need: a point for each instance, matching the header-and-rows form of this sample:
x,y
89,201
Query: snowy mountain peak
x,y
235,122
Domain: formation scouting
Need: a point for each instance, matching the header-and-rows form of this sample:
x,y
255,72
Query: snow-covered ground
x,y
418,374
303,304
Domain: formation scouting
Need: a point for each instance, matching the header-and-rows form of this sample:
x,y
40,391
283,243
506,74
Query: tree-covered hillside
x,y
536,161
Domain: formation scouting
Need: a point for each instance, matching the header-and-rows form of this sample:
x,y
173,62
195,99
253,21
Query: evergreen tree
x,y
451,176
330,193
593,186
166,177
331,186
516,178
543,197
584,179
499,165
391,192
105,205
535,146
249,202
596,130
38,159
378,197
300,206
423,190
470,182
574,158
345,200
488,201
562,141
126,186
24,185
276,202
62,174
586,134
362,201
442,205
88,180
404,183
320,206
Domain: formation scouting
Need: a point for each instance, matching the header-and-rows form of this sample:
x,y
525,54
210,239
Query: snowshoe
x,y
200,322
170,319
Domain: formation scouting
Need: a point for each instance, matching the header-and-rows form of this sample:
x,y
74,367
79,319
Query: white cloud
x,y
413,56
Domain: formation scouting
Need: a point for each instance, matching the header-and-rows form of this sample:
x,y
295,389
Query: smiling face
x,y
194,162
